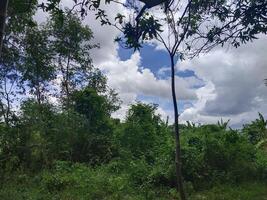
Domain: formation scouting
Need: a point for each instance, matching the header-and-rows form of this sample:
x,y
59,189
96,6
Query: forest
x,y
59,140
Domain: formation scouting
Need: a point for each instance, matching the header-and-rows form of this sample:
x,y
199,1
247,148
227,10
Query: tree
x,y
35,138
141,130
19,17
194,27
256,131
38,68
94,145
9,78
15,11
71,52
3,11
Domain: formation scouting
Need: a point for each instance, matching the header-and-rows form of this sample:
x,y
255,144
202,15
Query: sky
x,y
226,83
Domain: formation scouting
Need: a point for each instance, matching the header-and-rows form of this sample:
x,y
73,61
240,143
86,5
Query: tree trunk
x,y
38,87
68,83
178,161
38,95
8,103
3,11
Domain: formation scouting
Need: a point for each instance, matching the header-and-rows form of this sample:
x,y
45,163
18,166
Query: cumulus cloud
x,y
234,83
130,80
233,79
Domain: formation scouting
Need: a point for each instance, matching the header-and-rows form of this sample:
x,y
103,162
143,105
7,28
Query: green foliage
x,y
19,19
133,158
38,68
66,181
236,23
214,154
94,144
147,29
35,130
35,58
261,162
92,105
71,51
20,16
141,129
256,130
229,192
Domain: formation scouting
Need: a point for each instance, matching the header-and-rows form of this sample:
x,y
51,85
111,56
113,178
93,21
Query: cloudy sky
x,y
225,83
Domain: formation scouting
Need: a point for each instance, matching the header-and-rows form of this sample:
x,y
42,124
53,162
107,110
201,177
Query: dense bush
x,y
63,154
217,156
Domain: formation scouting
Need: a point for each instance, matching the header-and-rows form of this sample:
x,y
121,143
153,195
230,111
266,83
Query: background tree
x,y
8,80
38,68
256,131
36,135
3,11
15,10
19,17
71,52
94,145
141,130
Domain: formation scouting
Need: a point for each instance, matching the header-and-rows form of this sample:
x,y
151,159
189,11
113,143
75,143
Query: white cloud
x,y
131,80
238,92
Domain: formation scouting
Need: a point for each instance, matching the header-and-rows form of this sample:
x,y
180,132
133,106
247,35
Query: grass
x,y
32,190
79,182
245,191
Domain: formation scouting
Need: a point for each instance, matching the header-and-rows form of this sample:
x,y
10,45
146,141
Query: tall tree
x,y
14,10
3,11
9,76
8,81
38,68
70,41
18,18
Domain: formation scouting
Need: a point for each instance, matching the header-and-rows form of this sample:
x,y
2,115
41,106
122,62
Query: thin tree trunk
x,y
67,84
38,88
3,11
8,104
38,95
178,162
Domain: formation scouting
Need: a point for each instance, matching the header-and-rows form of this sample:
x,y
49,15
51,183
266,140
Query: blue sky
x,y
156,59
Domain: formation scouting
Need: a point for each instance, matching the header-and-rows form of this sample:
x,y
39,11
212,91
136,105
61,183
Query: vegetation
x,y
59,141
57,155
